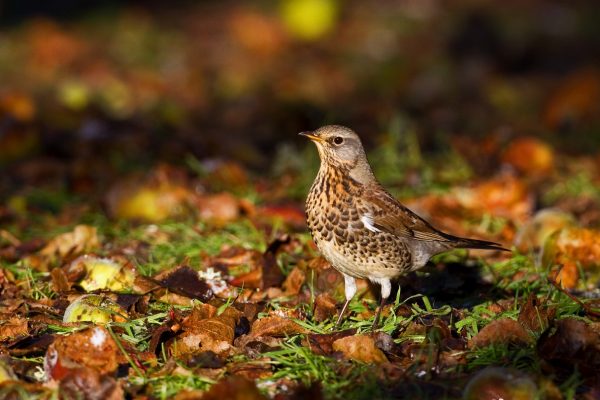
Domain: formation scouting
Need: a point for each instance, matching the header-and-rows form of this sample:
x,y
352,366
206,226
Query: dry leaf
x,y
574,345
90,384
234,388
325,307
323,343
205,331
572,248
529,155
360,348
501,331
577,97
534,233
534,315
93,348
83,239
185,281
13,328
275,326
294,281
219,208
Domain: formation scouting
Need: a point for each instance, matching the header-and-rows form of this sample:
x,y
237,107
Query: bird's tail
x,y
464,243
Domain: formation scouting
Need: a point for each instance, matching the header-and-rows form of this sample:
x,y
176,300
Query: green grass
x,y
339,379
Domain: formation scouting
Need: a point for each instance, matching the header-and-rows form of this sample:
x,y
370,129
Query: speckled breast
x,y
333,211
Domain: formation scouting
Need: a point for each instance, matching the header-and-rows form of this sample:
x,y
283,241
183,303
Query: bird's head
x,y
340,147
337,145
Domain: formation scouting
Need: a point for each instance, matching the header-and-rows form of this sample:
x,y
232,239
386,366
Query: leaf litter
x,y
142,257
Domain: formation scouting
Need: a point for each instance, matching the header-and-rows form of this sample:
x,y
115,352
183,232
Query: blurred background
x,y
93,89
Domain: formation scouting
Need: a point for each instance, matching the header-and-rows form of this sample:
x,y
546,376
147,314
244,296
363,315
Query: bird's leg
x,y
386,288
350,290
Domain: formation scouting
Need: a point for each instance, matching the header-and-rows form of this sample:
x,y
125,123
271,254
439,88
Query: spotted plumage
x,y
361,229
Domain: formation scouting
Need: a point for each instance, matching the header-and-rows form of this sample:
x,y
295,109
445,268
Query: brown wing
x,y
391,216
387,214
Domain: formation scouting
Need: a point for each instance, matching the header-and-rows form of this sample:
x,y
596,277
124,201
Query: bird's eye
x,y
338,140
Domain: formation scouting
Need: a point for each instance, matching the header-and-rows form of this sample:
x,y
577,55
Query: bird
x,y
359,227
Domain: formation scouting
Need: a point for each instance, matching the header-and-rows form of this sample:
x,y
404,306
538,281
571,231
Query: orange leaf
x,y
360,348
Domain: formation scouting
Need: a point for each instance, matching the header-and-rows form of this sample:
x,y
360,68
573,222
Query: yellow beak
x,y
311,136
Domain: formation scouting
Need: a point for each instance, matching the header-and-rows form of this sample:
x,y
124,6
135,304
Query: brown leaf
x,y
13,328
501,331
185,281
214,333
265,272
533,234
271,273
291,215
534,315
360,348
294,281
60,283
234,388
93,348
574,344
576,98
251,280
252,370
572,248
219,208
530,155
323,343
31,345
89,384
17,390
253,346
275,326
325,307
83,239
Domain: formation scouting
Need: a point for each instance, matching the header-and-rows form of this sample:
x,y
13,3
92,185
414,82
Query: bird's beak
x,y
311,136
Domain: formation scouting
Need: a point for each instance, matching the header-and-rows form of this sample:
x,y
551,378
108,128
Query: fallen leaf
x,y
534,233
530,156
535,315
501,331
265,272
13,328
325,307
259,368
572,248
89,384
219,208
294,281
204,331
573,345
254,346
83,239
93,348
234,388
360,348
185,281
60,282
275,326
323,343
575,98
291,215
